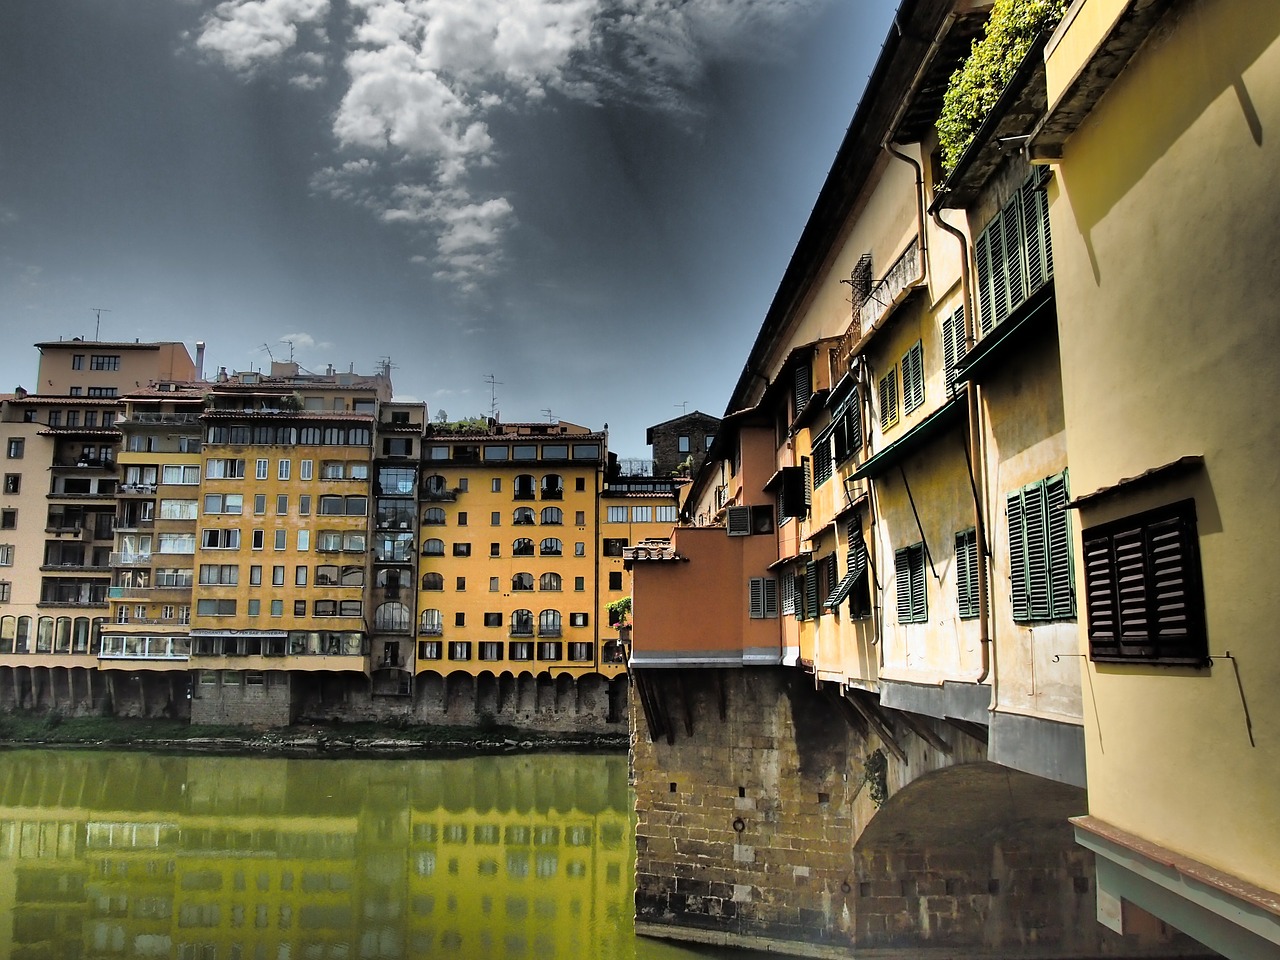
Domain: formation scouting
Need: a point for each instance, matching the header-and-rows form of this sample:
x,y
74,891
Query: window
x,y
12,482
549,581
261,470
459,619
304,469
522,581
967,573
8,519
580,518
6,554
495,519
522,516
219,573
1040,551
579,619
213,503
176,542
856,584
522,548
15,448
790,595
77,361
551,547
99,392
300,576
580,483
579,549
215,608
683,444
616,515
219,539
821,461
908,569
495,485
613,546
460,584
495,585
763,598
913,378
522,623
642,514
277,576
1013,255
579,584
493,619
254,607
216,469
259,539
259,503
102,361
462,518
282,504
615,580
304,541
889,399
283,469
255,575
666,514
433,547
549,625
552,515
459,650
281,539
953,346
552,487
524,489
1143,588
462,549
433,517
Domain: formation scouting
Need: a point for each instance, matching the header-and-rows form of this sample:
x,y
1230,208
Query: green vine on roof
x,y
977,85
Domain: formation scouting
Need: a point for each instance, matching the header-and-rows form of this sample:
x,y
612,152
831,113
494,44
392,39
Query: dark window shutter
x,y
770,598
1011,222
1035,220
982,254
967,573
810,590
1100,597
738,521
919,606
999,282
808,483
756,600
1037,558
1017,556
902,583
803,389
1058,521
953,346
913,378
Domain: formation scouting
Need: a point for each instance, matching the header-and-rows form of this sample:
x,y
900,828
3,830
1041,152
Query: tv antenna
x,y
98,311
550,417
683,405
290,343
267,348
493,393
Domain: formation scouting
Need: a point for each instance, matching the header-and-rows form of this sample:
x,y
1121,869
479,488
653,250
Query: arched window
x,y
431,624
358,437
8,629
553,487
552,515
523,516
549,581
62,636
334,436
524,489
522,548
522,581
433,517
389,581
433,548
549,623
79,635
391,616
309,436
22,643
44,635
434,486
433,581
551,547
522,623
353,576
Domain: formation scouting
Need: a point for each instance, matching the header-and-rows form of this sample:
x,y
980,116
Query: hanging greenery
x,y
975,87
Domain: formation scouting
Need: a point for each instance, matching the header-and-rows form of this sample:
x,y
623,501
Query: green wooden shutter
x,y
770,598
1034,521
913,377
756,598
1017,556
1016,282
953,346
966,553
803,388
1035,222
889,398
919,604
1058,522
810,590
902,583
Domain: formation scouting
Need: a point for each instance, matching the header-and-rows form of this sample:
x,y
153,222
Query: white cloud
x,y
247,33
423,78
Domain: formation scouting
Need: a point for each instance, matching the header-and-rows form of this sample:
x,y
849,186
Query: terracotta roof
x,y
109,344
56,401
290,414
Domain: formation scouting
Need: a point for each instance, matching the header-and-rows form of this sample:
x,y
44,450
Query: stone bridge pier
x,y
772,815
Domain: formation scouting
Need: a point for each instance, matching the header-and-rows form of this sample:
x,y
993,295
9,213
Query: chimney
x,y
222,375
199,359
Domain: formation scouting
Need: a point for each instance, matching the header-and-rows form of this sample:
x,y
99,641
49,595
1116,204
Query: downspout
x,y
975,451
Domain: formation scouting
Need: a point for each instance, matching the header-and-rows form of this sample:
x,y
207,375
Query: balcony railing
x,y
431,630
130,559
146,593
885,294
164,418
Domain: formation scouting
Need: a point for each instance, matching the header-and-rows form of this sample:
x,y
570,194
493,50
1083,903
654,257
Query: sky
x,y
591,202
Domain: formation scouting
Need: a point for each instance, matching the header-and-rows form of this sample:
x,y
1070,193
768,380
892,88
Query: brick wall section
x,y
759,830
253,705
666,442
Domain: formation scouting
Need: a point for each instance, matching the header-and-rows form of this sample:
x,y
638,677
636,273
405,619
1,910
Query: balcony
x,y
130,559
137,489
892,288
147,593
163,418
431,630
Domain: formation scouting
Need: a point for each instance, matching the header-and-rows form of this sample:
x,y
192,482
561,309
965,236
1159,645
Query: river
x,y
133,854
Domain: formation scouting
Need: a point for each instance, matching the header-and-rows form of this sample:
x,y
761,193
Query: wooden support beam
x,y
920,727
846,710
878,721
975,730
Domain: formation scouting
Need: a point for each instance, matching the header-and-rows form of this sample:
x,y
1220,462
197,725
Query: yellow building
x,y
1161,132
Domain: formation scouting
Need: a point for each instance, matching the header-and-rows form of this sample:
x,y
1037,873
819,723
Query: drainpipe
x,y
920,205
975,450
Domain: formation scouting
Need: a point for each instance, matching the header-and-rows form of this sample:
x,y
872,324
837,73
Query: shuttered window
x,y
1144,597
789,594
908,569
855,584
810,591
763,598
803,390
1040,551
889,399
738,521
913,378
846,430
968,570
1013,254
953,346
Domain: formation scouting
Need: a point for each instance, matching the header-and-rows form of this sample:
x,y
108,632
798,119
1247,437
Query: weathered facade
x,y
873,602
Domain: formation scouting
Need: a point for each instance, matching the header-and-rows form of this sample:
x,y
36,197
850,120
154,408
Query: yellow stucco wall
x,y
1165,238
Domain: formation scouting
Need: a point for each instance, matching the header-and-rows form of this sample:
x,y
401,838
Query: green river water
x,y
124,854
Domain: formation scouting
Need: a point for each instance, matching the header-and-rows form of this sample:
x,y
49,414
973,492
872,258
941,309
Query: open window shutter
x,y
919,606
756,598
808,483
999,280
982,254
1011,223
1017,556
913,377
1058,522
1035,220
902,584
810,590
1034,520
965,593
770,598
1177,604
803,388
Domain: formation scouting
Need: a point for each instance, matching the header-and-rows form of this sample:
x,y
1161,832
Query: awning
x,y
912,441
1038,311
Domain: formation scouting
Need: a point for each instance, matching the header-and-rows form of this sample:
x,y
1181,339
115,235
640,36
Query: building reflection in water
x,y
212,858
